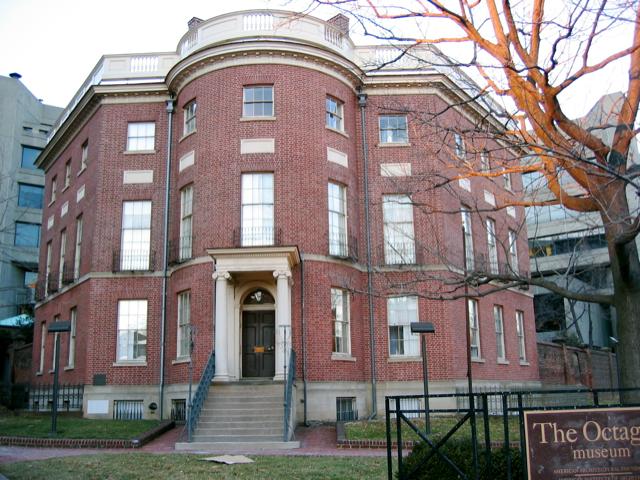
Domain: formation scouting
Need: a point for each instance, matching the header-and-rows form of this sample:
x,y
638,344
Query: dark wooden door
x,y
258,344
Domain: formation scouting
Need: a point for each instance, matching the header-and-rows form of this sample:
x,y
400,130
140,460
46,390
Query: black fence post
x,y
523,446
507,443
388,423
399,438
487,430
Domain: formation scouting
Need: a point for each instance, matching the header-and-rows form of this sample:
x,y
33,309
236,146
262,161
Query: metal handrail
x,y
201,394
288,394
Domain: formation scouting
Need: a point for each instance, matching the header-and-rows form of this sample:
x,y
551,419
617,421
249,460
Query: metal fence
x,y
41,397
504,407
128,409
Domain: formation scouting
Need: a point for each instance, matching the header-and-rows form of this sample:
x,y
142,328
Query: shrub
x,y
461,454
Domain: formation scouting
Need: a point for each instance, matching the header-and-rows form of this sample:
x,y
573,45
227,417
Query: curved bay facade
x,y
255,193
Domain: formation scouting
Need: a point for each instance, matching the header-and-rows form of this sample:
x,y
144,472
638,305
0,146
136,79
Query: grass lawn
x,y
32,425
440,426
181,466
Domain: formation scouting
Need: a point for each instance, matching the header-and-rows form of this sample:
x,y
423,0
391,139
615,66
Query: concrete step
x,y
239,431
235,447
249,403
240,410
208,423
237,438
240,417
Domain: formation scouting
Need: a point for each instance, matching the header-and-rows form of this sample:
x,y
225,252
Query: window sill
x,y
343,357
187,135
139,152
69,367
38,374
339,132
66,187
502,361
81,171
180,360
524,363
52,371
392,144
51,202
401,359
257,119
477,360
130,363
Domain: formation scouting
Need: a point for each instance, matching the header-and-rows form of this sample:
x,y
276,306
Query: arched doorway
x,y
258,335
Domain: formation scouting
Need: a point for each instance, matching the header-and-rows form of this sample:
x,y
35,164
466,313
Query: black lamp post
x,y
56,327
420,328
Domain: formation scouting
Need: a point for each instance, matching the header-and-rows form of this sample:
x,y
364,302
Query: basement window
x,y
346,409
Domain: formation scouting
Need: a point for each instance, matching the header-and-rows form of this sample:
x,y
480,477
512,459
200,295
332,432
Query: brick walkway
x,y
315,441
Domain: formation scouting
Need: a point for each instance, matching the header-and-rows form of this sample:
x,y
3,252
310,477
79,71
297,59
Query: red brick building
x,y
239,194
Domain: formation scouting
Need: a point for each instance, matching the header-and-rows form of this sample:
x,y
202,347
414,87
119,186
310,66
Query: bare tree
x,y
532,54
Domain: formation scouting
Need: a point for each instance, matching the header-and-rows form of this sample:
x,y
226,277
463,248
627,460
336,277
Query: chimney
x,y
341,22
194,22
15,75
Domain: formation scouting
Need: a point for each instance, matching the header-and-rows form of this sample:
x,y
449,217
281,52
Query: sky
x,y
54,44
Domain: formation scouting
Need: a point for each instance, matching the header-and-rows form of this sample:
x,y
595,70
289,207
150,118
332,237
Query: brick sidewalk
x,y
314,441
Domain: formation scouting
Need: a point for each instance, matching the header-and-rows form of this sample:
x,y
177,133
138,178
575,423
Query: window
x,y
334,114
399,240
132,330
337,220
485,164
63,254
78,250
27,235
141,136
340,317
513,251
67,173
461,151
393,129
401,312
136,235
73,316
499,323
190,117
29,156
346,409
43,339
47,271
84,158
522,350
492,247
184,324
30,196
474,328
257,101
186,222
257,209
507,180
468,238
54,187
54,352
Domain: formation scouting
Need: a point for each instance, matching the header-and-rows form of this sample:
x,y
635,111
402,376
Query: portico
x,y
240,273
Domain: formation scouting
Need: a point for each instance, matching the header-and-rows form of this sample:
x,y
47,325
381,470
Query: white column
x,y
283,321
221,326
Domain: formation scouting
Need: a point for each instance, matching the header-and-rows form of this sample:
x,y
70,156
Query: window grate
x,y
128,409
346,409
178,410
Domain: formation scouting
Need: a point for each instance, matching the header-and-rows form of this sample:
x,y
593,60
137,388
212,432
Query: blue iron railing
x,y
201,394
288,394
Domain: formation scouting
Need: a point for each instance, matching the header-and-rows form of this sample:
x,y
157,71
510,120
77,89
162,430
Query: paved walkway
x,y
314,441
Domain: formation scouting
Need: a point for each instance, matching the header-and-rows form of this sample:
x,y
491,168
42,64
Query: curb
x,y
88,443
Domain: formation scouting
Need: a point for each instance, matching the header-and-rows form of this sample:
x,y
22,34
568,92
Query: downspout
x,y
304,336
165,251
362,103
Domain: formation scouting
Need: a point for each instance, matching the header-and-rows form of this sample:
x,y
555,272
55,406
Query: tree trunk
x,y
625,270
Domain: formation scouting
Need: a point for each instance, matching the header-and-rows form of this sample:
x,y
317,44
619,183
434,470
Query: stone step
x,y
239,431
237,438
240,410
252,402
235,447
209,423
